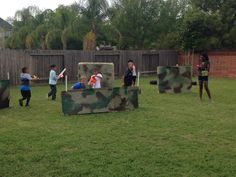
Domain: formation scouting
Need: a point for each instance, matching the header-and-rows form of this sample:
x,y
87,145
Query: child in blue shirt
x,y
25,87
79,85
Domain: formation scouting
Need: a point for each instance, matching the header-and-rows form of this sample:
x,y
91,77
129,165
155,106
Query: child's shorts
x,y
203,78
26,93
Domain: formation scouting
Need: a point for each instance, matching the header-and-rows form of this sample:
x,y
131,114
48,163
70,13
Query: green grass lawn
x,y
168,136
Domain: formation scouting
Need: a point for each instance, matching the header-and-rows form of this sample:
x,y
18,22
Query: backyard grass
x,y
168,136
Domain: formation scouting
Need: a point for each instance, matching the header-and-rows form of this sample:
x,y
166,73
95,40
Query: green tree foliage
x,y
201,31
71,39
89,43
144,24
53,40
31,41
209,25
135,21
128,24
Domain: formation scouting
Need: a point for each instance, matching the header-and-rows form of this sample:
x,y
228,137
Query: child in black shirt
x,y
129,77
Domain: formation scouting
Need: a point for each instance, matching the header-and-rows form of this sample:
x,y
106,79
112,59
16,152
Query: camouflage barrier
x,y
89,101
107,70
174,79
4,93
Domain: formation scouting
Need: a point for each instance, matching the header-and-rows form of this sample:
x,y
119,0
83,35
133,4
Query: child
x,y
203,70
79,85
53,82
95,80
25,87
130,75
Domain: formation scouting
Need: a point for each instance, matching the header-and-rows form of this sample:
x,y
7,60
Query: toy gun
x,y
34,77
92,80
61,75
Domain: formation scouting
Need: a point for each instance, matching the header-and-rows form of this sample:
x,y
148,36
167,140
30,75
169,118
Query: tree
x,y
89,41
71,39
31,41
128,24
170,20
94,12
40,35
135,21
221,14
53,40
201,31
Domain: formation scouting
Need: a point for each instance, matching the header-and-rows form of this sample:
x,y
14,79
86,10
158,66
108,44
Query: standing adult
x,y
203,75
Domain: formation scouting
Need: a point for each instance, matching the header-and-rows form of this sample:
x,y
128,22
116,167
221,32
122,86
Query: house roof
x,y
5,25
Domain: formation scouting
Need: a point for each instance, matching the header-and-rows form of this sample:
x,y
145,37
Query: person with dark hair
x,y
203,70
53,82
130,75
25,87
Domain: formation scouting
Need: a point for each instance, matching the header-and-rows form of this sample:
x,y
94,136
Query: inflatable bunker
x,y
106,99
4,93
88,101
176,79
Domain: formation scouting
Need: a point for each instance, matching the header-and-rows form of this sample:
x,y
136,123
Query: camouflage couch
x,y
89,101
174,79
4,93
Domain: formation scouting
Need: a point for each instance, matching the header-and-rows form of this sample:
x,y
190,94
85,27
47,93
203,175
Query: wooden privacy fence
x,y
38,61
11,62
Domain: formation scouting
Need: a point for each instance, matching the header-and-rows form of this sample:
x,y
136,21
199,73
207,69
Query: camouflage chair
x,y
174,79
4,93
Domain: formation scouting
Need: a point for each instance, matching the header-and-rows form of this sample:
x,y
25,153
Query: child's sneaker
x,y
20,102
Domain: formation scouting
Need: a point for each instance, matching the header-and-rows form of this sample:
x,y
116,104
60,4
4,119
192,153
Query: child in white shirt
x,y
95,81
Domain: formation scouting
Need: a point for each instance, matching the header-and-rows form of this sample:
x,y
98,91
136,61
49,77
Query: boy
x,y
79,85
53,82
130,75
95,80
25,87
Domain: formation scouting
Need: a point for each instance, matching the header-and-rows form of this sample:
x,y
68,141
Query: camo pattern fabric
x,y
4,93
88,101
106,69
174,79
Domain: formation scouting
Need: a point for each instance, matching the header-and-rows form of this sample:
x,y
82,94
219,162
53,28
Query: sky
x,y
9,7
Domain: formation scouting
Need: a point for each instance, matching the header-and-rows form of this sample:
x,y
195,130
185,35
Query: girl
x,y
203,70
